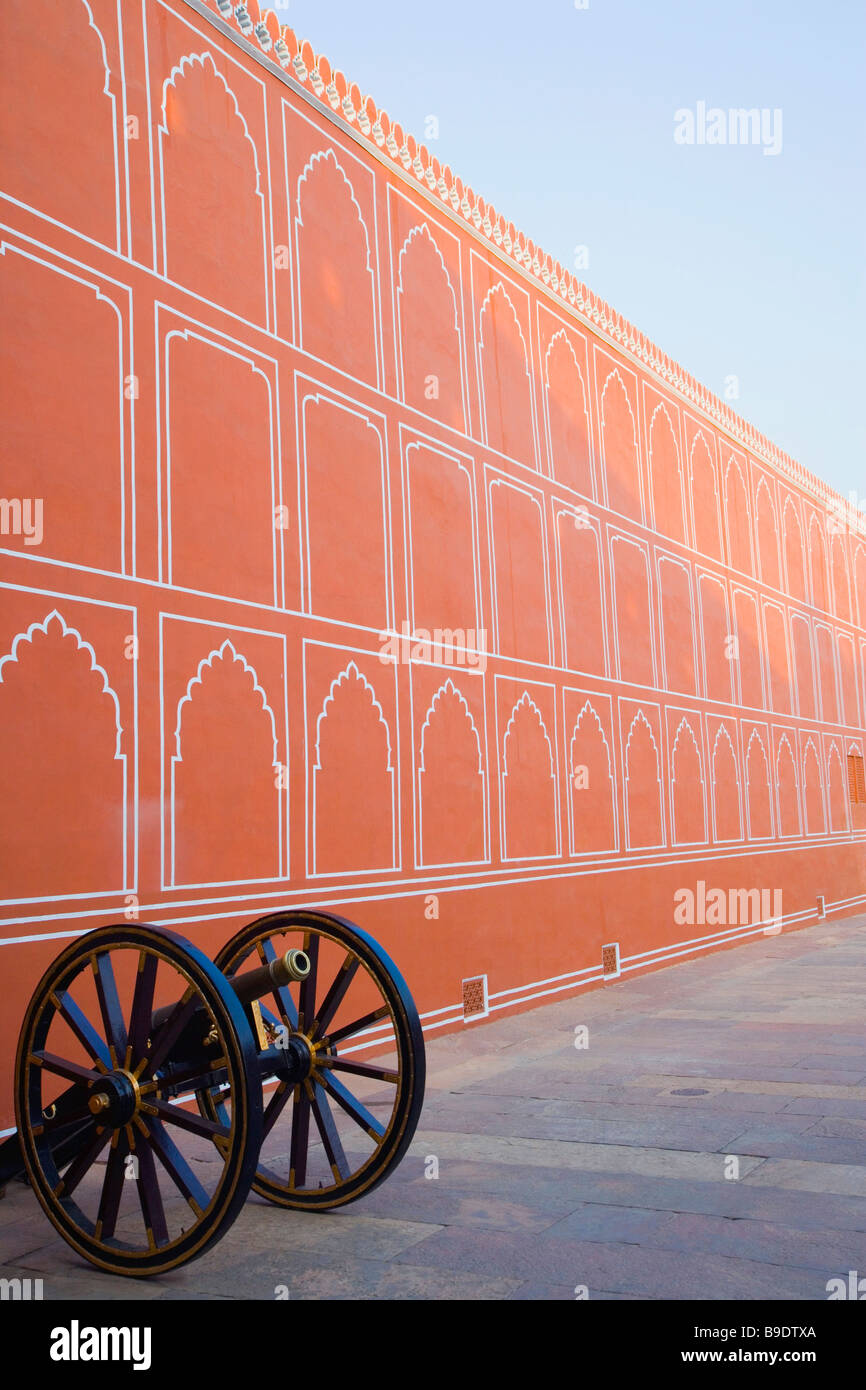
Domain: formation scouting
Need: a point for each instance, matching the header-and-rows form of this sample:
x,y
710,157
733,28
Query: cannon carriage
x,y
154,1087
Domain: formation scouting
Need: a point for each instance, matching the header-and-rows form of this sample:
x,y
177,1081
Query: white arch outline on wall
x,y
349,672
163,132
662,408
106,91
589,709
444,688
433,708
699,435
12,658
733,460
810,743
789,503
813,521
762,483
722,729
525,701
838,539
615,372
640,718
495,289
748,783
563,333
329,156
220,654
419,230
785,742
685,725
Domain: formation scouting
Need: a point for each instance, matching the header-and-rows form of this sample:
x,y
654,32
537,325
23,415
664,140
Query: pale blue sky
x,y
732,261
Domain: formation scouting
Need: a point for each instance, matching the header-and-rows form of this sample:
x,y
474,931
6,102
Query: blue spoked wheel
x,y
337,1128
124,1027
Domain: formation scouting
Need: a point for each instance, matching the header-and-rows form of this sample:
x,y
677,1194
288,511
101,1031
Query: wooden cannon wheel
x,y
103,1086
335,1132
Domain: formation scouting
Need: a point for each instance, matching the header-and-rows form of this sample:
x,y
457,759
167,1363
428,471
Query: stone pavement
x,y
708,1143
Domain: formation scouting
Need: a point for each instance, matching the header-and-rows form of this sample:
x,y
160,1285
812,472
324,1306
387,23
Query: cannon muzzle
x,y
294,965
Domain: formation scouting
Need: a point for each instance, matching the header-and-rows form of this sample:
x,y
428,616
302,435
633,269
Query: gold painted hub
x,y
102,1101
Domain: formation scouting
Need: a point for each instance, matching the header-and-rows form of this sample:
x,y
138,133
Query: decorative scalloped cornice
x,y
332,89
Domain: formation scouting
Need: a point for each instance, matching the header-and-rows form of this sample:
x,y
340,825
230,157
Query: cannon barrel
x,y
294,965
253,984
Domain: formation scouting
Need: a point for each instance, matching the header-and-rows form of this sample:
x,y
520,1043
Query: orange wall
x,y
274,401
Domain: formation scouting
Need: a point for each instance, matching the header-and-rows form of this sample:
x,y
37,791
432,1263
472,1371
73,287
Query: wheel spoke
x,y
149,1195
142,1007
49,1061
176,1166
349,1029
358,1068
275,1107
353,1107
83,1162
187,1119
109,1005
328,1131
300,1138
83,1029
307,994
112,1188
336,994
281,993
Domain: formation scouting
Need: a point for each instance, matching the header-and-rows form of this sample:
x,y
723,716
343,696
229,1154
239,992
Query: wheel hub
x,y
115,1099
298,1057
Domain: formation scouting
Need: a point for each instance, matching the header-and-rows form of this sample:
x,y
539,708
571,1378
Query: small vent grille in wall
x,y
475,997
610,960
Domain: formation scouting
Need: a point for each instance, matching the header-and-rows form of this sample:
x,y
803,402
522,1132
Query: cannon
x,y
154,1087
